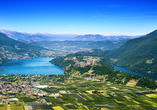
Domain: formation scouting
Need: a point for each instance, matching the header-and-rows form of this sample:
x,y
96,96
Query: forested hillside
x,y
138,54
11,49
106,45
99,67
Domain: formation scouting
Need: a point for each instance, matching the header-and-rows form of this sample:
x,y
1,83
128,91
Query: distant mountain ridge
x,y
63,37
97,37
37,37
138,54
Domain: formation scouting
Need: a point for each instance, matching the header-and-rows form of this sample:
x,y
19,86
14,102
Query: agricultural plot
x,y
82,94
111,96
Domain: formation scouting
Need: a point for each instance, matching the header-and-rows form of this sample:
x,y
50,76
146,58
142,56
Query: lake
x,y
37,66
42,66
149,75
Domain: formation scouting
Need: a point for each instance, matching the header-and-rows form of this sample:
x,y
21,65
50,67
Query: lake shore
x,y
149,75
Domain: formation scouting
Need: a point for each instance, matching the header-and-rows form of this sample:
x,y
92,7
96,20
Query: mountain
x,y
11,49
63,37
26,36
37,37
97,37
139,54
31,42
106,45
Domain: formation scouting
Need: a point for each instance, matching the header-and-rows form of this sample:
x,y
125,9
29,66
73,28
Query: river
x,y
36,66
149,75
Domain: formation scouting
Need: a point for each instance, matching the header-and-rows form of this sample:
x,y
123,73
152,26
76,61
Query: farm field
x,y
83,94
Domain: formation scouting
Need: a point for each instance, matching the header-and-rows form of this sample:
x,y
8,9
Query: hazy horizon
x,y
69,34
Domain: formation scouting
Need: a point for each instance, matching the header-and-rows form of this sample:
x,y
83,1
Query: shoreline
x,y
125,70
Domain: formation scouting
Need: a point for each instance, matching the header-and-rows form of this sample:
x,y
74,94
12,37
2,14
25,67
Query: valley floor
x,y
68,92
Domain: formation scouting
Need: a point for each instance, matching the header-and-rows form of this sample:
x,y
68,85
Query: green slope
x,y
139,54
100,67
11,49
106,45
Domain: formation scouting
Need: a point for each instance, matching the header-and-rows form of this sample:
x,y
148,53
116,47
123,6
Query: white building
x,y
42,86
63,92
13,99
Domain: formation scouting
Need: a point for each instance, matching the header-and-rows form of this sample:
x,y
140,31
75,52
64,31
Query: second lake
x,y
149,75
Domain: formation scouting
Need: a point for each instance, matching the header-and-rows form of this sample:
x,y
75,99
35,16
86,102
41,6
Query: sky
x,y
105,17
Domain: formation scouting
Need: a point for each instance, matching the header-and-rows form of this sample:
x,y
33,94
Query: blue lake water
x,y
42,66
37,66
149,75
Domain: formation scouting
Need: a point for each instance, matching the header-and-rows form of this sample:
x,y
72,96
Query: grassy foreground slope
x,y
99,67
138,54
